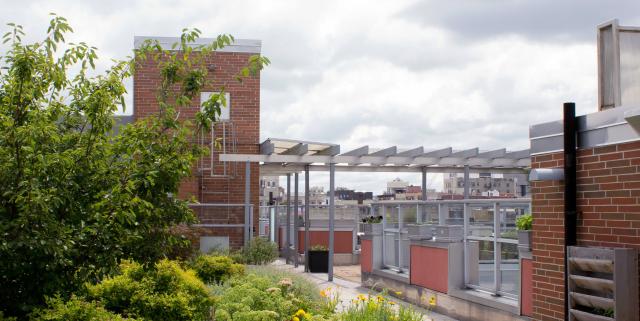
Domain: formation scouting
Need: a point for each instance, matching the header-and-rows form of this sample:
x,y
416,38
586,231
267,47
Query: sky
x,y
403,72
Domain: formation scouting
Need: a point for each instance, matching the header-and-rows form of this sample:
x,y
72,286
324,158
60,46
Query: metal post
x,y
496,248
383,211
296,221
288,227
570,206
332,213
275,228
424,196
465,259
307,223
399,248
466,181
247,201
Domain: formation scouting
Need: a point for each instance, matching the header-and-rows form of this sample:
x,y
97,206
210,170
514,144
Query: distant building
x,y
317,196
270,190
398,189
345,194
397,186
486,184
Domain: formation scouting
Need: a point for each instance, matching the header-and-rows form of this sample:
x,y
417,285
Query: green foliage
x,y
378,308
305,290
260,251
76,309
319,247
3,318
372,219
260,297
77,198
165,292
216,268
524,222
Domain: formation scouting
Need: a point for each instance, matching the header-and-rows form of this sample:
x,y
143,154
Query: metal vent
x,y
603,284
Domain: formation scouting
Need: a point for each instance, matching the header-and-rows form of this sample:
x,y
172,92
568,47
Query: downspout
x,y
570,208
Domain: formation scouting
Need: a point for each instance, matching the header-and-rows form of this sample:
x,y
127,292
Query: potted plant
x,y
523,225
319,259
372,225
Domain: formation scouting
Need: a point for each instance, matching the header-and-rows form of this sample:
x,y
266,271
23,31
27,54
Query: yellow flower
x,y
323,294
432,300
295,319
380,298
300,313
362,297
398,293
392,303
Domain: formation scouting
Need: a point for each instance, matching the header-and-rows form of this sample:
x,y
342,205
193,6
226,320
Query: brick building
x,y
607,174
215,182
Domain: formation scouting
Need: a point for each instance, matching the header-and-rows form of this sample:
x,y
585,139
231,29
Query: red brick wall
x,y
608,194
245,115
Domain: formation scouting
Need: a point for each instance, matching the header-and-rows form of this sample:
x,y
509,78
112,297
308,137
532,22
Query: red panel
x,y
343,242
366,259
430,267
526,287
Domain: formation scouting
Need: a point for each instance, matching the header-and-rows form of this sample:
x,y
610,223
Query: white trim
x,y
239,45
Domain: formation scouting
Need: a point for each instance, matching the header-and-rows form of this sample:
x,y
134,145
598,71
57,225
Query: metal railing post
x,y
465,247
497,253
399,248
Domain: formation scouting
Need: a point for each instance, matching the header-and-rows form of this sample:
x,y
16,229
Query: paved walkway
x,y
348,289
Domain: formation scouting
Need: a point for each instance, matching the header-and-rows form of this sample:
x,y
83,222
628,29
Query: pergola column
x,y
296,221
307,223
287,229
332,214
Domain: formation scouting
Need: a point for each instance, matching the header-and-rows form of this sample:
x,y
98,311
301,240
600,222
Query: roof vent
x,y
618,65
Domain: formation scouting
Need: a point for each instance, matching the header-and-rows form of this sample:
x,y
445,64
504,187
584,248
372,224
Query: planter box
x,y
372,229
319,261
525,240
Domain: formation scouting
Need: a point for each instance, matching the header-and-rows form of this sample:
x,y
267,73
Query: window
x,y
225,112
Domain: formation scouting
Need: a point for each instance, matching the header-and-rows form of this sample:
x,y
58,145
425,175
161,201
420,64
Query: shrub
x,y
524,222
216,268
301,287
319,247
76,309
3,318
265,294
259,252
164,292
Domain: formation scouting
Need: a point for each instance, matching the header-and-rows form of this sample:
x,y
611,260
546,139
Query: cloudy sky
x,y
380,73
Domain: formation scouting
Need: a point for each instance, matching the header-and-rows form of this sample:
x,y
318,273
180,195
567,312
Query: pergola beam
x,y
297,149
279,169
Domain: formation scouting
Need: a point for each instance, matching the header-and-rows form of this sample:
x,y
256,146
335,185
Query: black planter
x,y
319,261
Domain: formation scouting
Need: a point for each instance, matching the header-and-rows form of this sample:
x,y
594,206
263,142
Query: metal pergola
x,y
285,157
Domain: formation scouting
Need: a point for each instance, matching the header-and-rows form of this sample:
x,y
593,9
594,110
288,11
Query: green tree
x,y
76,198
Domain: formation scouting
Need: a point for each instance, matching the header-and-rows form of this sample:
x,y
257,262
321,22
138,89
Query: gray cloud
x,y
544,20
406,73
